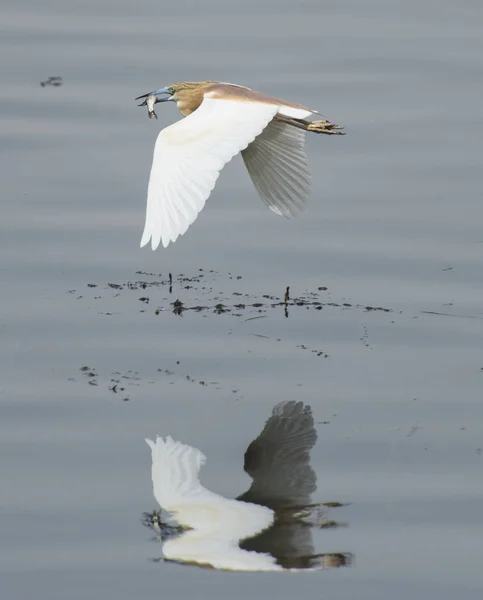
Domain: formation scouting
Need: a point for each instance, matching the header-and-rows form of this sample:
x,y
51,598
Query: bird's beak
x,y
155,93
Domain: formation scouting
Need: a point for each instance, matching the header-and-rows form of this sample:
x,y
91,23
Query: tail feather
x,y
175,471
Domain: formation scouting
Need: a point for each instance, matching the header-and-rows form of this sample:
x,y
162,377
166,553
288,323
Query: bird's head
x,y
187,95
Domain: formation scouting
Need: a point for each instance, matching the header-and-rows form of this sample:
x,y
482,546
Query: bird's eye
x,y
171,90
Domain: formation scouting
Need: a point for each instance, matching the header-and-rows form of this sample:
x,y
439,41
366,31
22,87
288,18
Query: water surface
x,y
394,221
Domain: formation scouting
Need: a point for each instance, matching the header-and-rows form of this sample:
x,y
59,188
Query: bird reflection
x,y
269,527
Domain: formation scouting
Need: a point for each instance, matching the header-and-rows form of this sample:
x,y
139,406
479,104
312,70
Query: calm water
x,y
395,221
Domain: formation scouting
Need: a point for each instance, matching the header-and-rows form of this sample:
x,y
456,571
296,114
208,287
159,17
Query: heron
x,y
222,120
264,529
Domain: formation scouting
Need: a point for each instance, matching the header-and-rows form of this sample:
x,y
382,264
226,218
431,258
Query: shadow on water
x,y
267,528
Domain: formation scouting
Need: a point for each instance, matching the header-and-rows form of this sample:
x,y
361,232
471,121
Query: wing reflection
x,y
269,527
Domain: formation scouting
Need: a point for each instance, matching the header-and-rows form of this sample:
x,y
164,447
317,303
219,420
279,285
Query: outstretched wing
x,y
277,164
175,472
188,157
278,460
177,488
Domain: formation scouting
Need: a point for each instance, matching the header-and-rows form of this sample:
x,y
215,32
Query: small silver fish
x,y
150,102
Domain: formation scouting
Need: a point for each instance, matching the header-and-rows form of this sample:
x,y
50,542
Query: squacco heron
x,y
223,119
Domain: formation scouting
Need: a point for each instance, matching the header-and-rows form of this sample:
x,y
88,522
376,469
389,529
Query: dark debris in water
x,y
54,81
199,293
365,337
306,301
201,284
116,381
91,375
121,383
315,351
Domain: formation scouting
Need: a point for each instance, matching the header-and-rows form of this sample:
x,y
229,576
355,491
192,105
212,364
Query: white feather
x,y
217,553
188,158
295,113
175,472
277,164
178,490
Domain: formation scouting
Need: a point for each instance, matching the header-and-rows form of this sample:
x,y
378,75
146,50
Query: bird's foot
x,y
324,126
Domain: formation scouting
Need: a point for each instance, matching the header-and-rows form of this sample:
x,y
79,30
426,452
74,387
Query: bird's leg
x,y
326,127
321,126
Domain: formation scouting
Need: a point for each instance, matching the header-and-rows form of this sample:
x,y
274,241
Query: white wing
x,y
277,164
178,490
216,552
188,158
175,472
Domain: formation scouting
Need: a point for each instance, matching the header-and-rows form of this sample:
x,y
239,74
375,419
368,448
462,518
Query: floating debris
x,y
207,300
118,383
315,351
52,81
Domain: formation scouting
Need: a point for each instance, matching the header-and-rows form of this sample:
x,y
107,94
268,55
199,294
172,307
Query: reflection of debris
x,y
53,81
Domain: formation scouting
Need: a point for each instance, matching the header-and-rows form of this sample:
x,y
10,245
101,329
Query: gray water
x,y
395,221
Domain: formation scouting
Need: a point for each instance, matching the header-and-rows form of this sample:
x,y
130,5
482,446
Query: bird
x,y
261,530
222,120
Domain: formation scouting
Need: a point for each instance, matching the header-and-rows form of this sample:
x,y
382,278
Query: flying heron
x,y
223,119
